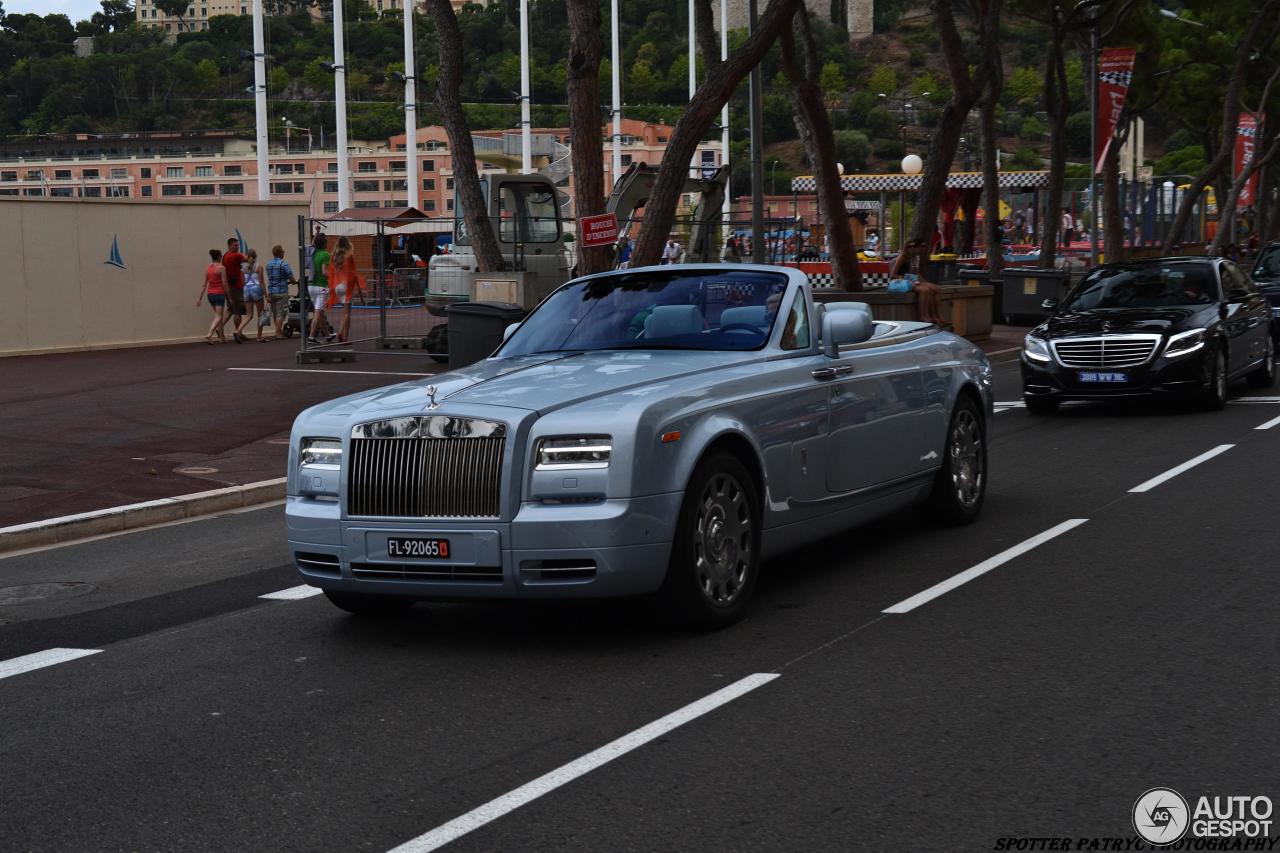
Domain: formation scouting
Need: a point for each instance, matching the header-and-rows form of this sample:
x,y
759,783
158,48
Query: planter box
x,y
968,307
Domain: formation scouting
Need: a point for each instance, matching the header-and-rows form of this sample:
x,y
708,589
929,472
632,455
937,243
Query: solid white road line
x,y
907,605
293,593
1269,424
38,660
530,791
1178,469
343,372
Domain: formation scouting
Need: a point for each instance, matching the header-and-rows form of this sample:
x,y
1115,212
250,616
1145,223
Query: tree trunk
x,y
1057,106
1227,210
1230,119
989,35
465,176
703,109
586,142
819,145
705,32
942,148
1113,233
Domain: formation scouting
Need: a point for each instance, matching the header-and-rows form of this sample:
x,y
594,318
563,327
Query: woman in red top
x,y
215,285
344,282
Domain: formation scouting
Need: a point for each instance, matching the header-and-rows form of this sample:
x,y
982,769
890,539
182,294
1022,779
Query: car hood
x,y
1115,320
541,383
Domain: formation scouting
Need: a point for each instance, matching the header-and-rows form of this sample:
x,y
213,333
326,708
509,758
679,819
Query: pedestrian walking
x,y
215,287
624,252
279,277
344,282
233,262
1068,227
318,289
254,296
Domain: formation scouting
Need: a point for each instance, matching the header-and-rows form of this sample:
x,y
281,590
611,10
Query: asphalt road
x,y
1134,649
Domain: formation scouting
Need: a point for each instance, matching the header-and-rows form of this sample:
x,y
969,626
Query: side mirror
x,y
1050,305
508,331
841,328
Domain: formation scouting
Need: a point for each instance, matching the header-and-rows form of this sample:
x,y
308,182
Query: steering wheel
x,y
742,327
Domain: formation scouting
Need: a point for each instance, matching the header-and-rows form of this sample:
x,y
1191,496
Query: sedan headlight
x,y
320,453
1184,343
1036,349
577,451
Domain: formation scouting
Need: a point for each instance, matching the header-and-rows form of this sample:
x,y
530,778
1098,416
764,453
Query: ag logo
x,y
1161,815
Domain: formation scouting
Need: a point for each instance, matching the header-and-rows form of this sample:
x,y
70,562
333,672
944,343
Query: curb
x,y
117,519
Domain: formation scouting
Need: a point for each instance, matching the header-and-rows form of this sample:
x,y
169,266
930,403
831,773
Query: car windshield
x,y
655,309
1157,286
1268,265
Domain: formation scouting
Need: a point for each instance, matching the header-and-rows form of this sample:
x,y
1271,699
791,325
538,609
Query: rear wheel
x,y
363,604
716,553
1214,396
1265,375
961,484
1041,405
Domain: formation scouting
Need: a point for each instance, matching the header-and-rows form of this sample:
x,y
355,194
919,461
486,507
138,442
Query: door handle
x,y
828,373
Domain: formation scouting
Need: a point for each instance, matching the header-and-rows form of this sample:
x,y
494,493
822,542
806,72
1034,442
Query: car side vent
x,y
318,564
557,571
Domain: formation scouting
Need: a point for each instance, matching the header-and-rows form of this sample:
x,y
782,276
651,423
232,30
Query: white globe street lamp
x,y
912,164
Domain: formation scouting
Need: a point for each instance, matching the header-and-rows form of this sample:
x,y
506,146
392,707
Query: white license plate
x,y
416,547
1103,376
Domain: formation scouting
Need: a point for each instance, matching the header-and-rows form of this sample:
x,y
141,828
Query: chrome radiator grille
x,y
1111,351
426,467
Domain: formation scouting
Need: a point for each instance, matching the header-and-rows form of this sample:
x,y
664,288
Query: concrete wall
x,y
57,293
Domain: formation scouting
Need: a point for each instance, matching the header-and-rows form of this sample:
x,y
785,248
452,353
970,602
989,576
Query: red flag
x,y
1115,70
1246,148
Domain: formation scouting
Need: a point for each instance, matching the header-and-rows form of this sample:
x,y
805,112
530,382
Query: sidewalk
x,y
90,430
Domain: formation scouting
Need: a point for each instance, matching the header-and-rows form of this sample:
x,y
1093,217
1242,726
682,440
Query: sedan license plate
x,y
1103,376
421,548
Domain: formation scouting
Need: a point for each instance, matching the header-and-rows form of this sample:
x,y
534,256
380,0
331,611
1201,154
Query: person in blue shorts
x,y
907,276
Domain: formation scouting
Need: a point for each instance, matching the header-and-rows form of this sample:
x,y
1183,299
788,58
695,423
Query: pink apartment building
x,y
223,165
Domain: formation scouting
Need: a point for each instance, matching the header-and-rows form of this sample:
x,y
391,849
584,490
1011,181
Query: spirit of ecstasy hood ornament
x,y
431,395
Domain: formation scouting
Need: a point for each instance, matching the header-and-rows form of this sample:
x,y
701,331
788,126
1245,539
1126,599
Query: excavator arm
x,y
632,191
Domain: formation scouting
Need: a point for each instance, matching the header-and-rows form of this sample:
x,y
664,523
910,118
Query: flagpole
x,y
260,102
724,122
526,122
410,109
615,70
1093,145
340,105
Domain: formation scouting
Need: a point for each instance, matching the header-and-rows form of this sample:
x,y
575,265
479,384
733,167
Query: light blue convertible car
x,y
649,431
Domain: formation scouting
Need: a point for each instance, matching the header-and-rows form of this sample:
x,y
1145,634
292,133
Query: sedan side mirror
x,y
508,331
841,328
1050,305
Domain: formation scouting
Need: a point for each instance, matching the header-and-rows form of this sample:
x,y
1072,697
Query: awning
x,y
1011,180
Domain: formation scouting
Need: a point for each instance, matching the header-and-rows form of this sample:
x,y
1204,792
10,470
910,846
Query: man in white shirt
x,y
671,253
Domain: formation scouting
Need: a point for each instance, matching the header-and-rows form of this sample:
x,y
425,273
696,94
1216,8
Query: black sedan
x,y
1266,274
1167,326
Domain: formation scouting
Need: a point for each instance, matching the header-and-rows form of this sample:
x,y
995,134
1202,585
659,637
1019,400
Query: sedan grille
x,y
426,467
1110,351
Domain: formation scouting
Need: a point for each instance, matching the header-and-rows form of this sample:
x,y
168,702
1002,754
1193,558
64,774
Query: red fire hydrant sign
x,y
598,230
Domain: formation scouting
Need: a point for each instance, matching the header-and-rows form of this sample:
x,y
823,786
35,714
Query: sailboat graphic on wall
x,y
115,260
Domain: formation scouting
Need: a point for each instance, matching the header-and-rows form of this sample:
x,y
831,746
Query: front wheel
x,y
1214,397
716,553
961,484
1265,375
363,604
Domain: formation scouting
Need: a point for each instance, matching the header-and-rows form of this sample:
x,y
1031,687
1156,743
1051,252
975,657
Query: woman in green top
x,y
318,288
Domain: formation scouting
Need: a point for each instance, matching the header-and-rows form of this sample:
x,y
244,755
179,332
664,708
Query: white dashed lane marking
x,y
39,660
1178,469
293,593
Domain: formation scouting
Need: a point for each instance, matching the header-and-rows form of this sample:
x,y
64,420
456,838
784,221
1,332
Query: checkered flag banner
x,y
1246,148
1116,78
1115,71
1015,180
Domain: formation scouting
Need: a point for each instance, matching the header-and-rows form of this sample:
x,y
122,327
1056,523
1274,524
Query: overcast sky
x,y
76,10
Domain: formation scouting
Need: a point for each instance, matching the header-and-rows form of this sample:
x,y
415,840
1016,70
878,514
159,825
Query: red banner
x,y
1246,149
599,230
1115,70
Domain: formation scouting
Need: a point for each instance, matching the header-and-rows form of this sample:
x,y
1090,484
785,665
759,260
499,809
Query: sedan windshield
x,y
1268,265
1166,285
681,309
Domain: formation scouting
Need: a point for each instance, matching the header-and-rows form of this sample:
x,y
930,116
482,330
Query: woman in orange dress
x,y
344,282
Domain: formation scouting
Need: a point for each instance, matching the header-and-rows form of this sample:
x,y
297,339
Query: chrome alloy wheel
x,y
967,457
1220,376
722,539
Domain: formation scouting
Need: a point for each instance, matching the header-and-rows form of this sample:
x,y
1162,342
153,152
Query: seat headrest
x,y
668,321
752,315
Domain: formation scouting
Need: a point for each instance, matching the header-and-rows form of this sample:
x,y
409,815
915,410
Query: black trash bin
x,y
980,275
1025,288
475,329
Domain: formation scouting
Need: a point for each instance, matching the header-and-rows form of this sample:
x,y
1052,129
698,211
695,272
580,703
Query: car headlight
x,y
1036,349
321,453
1184,343
577,451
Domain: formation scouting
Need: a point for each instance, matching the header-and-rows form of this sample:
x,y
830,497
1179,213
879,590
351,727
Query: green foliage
x,y
832,79
1189,160
1024,88
1024,158
1079,135
853,148
883,80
